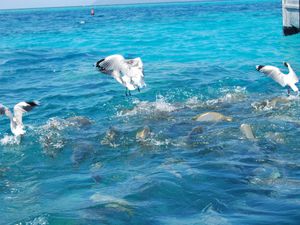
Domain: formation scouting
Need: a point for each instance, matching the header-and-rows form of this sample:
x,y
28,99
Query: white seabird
x,y
16,123
128,72
289,79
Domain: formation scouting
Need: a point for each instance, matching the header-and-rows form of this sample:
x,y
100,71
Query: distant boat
x,y
291,16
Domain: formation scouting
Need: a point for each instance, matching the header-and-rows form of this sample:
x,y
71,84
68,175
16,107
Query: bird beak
x,y
286,64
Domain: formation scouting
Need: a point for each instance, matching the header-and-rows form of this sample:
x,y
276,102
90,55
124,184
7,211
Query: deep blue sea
x,y
80,161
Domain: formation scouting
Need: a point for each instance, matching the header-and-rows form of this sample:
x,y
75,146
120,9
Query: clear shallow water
x,y
198,57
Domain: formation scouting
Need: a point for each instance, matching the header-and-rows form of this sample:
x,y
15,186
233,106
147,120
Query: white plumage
x,y
289,79
16,122
129,72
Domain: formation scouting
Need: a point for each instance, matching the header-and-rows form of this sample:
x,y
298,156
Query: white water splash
x,y
161,105
41,220
275,137
10,140
51,136
280,102
226,96
52,133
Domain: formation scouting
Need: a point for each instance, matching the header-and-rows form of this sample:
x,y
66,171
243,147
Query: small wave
x,y
208,216
52,133
54,123
285,118
159,140
274,103
275,137
101,198
227,96
112,138
159,143
111,203
212,217
115,138
262,106
232,95
265,175
161,105
51,137
41,220
10,140
152,139
81,151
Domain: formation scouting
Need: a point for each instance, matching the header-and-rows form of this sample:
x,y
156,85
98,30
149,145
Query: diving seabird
x,y
16,124
289,79
128,72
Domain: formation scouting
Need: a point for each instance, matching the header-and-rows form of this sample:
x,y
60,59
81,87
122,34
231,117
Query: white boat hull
x,y
291,16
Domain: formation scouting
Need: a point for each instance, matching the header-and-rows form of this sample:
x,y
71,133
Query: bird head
x,y
259,67
100,66
285,64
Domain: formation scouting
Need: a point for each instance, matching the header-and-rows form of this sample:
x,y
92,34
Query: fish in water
x,y
196,130
273,103
195,137
143,134
283,100
81,151
110,137
104,199
79,121
247,131
95,171
212,117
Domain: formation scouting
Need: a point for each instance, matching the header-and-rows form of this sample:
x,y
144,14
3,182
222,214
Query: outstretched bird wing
x,y
2,109
22,108
291,77
136,72
136,62
111,64
5,111
274,73
129,73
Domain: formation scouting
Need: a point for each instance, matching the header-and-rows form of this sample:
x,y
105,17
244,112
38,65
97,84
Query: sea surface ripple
x,y
80,161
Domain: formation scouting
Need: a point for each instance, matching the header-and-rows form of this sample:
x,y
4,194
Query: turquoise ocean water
x,y
80,162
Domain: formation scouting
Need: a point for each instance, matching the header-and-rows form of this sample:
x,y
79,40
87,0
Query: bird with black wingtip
x,y
16,119
128,72
289,79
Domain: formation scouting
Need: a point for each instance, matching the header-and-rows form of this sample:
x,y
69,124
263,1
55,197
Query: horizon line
x,y
116,4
